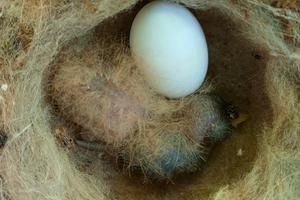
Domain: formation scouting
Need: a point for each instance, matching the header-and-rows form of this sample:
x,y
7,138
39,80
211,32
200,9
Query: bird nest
x,y
50,46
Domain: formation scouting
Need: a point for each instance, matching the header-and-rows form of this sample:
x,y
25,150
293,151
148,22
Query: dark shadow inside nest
x,y
237,70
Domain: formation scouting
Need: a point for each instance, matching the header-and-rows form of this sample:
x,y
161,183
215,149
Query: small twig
x,y
3,139
92,146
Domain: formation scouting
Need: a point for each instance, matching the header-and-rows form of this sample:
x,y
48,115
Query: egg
x,y
170,49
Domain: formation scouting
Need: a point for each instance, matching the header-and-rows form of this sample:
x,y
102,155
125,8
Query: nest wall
x,y
254,61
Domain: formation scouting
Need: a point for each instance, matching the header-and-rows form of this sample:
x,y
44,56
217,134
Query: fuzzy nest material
x,y
254,62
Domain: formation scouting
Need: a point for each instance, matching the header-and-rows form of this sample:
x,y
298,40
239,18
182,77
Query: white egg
x,y
169,46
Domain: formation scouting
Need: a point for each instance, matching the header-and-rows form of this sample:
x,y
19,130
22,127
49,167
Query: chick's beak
x,y
241,118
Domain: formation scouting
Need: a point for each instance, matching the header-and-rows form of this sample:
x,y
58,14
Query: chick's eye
x,y
231,112
233,115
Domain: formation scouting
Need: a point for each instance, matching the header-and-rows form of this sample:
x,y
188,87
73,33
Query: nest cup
x,y
252,63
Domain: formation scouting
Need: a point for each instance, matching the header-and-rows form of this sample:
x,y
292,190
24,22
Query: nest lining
x,y
231,72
